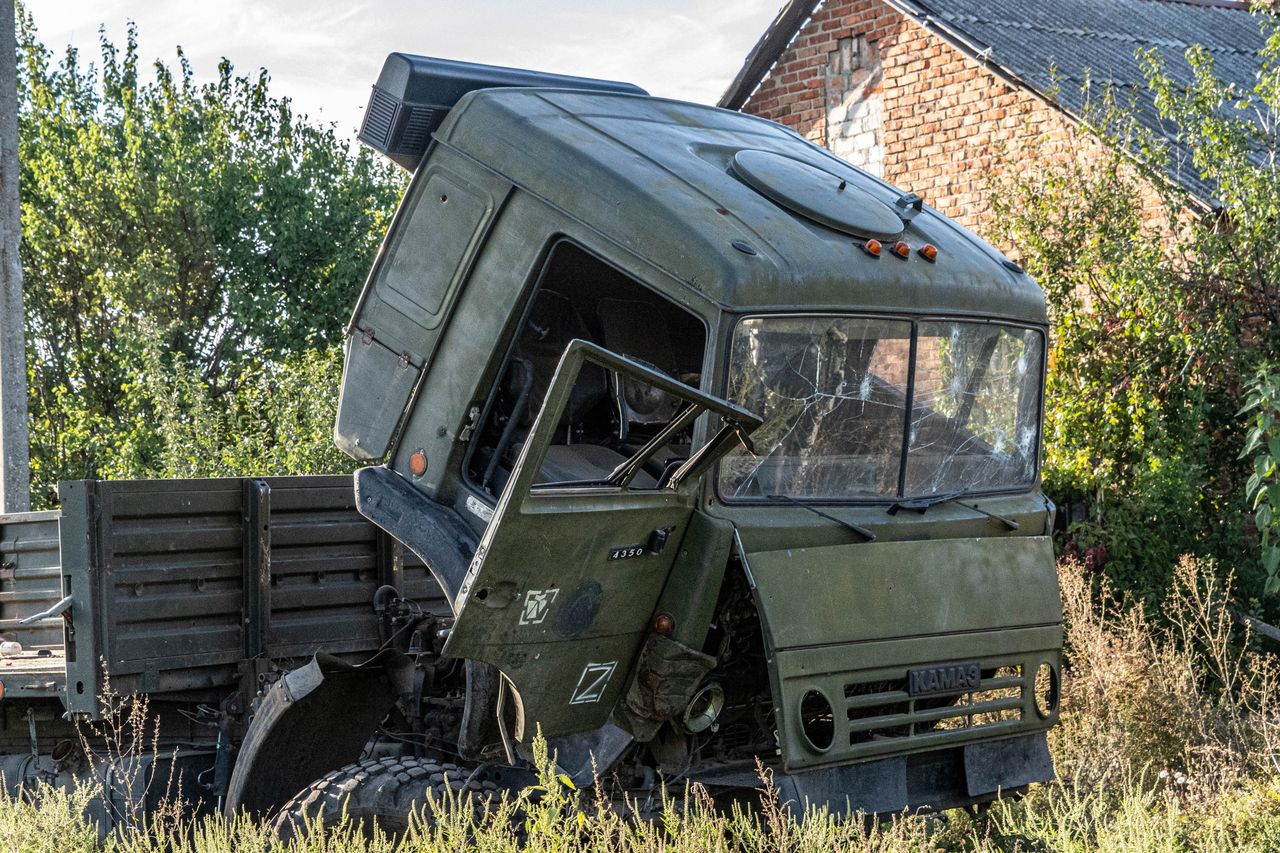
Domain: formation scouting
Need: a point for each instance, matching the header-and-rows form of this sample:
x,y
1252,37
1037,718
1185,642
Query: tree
x,y
1233,136
15,468
1163,329
170,225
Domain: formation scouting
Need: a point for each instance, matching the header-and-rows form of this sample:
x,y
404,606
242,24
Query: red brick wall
x,y
946,118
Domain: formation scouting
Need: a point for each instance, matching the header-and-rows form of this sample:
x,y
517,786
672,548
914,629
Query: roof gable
x,y
1032,42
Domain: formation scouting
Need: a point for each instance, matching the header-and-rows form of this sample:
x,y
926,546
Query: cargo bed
x,y
185,587
30,582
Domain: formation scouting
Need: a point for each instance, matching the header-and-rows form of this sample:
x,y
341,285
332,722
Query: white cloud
x,y
325,55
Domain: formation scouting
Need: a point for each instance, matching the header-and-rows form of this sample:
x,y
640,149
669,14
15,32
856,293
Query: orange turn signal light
x,y
929,252
901,249
417,463
663,624
872,248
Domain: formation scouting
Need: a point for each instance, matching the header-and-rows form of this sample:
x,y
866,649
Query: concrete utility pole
x,y
15,462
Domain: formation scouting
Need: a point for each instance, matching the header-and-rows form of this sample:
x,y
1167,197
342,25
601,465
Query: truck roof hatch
x,y
824,197
415,93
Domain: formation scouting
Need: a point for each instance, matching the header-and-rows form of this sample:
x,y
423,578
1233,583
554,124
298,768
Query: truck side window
x,y
608,417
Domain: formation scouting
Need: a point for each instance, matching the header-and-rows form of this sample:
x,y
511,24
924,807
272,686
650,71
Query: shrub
x,y
1160,314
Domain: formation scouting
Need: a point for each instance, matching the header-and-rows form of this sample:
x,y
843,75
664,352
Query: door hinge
x,y
464,435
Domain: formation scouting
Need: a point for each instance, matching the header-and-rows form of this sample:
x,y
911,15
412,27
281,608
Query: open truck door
x,y
564,584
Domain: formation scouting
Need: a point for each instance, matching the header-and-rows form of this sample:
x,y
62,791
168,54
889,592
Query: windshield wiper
x,y
849,525
921,505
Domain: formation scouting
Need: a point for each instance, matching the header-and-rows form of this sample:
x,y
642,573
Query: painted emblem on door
x,y
536,604
592,683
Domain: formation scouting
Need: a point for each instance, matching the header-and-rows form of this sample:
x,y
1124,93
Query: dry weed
x,y
1168,743
1188,704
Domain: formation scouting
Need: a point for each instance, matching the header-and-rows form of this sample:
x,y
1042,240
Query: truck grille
x,y
883,710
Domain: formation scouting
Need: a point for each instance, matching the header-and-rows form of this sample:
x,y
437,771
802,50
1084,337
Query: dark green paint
x,y
569,655
690,594
646,185
903,589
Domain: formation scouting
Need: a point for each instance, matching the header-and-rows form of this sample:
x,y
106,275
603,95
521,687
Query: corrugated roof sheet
x,y
1059,44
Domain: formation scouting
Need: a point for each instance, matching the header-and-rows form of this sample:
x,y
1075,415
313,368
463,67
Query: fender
x,y
435,533
313,720
445,543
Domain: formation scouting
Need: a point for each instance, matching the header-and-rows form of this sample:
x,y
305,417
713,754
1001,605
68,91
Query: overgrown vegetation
x,y
1166,323
191,253
1169,742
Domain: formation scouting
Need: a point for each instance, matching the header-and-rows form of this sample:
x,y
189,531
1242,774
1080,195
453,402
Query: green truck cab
x,y
719,447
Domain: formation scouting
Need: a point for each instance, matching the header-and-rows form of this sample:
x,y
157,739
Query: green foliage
x,y
1137,416
206,436
200,229
1232,137
53,822
1159,315
1262,449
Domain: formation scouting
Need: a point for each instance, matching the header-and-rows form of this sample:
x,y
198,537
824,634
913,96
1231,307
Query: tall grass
x,y
1168,743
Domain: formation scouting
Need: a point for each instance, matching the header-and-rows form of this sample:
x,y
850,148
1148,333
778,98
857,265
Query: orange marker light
x,y
901,249
929,252
417,463
872,248
664,624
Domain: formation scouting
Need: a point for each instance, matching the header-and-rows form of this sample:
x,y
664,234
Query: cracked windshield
x,y
833,395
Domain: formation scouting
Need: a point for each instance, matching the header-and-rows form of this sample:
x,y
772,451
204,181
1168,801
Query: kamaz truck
x,y
689,448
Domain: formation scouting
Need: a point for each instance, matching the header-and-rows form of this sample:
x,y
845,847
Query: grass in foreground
x,y
1169,741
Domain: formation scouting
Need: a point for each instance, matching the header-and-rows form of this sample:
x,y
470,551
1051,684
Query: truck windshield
x,y
860,408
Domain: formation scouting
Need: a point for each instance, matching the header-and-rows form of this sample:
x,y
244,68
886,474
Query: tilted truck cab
x,y
687,445
720,448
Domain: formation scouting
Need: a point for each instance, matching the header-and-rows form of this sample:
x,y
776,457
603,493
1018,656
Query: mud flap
x,y
435,533
313,720
582,757
479,713
1002,765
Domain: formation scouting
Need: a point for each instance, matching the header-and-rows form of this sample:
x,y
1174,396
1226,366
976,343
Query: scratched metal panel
x,y
172,578
30,578
324,569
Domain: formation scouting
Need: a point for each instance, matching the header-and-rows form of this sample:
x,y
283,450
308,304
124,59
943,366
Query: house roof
x,y
1053,46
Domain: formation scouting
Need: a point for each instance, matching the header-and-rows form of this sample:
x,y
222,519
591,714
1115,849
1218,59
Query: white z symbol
x,y
536,604
594,679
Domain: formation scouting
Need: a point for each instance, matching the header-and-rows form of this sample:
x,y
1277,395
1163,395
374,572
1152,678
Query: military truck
x,y
690,446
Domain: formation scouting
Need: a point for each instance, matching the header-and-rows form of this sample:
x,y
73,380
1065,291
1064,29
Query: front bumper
x,y
921,781
926,781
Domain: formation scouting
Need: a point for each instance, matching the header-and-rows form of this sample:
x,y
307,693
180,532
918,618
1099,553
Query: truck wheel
x,y
383,792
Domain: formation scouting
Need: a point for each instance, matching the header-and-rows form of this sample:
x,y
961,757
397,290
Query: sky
x,y
325,55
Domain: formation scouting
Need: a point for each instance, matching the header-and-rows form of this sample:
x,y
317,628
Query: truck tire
x,y
383,792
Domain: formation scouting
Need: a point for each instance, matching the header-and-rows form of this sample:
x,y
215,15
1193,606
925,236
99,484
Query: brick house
x,y
927,93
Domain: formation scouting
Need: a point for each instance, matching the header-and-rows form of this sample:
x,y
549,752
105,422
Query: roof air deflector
x,y
415,93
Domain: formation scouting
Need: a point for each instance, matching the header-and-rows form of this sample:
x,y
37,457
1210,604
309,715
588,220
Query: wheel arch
x,y
315,719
